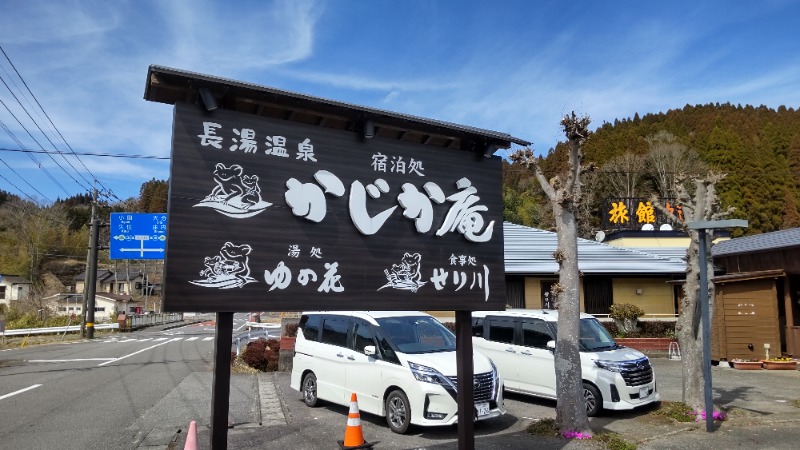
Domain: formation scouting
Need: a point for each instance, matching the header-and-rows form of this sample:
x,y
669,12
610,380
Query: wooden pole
x,y
466,388
221,384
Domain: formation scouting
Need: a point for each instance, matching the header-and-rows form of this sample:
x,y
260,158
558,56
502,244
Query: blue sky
x,y
509,66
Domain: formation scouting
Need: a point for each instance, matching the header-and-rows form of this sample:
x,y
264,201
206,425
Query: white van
x,y
402,365
521,343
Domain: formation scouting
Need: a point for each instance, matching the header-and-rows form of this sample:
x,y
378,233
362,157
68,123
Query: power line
x,y
20,190
109,155
44,134
38,164
22,79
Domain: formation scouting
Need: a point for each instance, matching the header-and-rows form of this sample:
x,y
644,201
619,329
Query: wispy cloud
x,y
209,35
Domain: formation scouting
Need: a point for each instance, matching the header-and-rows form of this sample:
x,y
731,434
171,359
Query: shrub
x,y
624,311
262,354
291,329
647,329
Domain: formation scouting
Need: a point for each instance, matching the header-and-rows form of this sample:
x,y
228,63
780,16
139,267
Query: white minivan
x,y
521,344
401,365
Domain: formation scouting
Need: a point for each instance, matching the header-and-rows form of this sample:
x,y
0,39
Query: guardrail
x,y
134,321
249,325
251,334
50,330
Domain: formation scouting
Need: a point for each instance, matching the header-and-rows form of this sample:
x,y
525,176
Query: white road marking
x,y
19,391
137,352
208,338
160,339
127,340
191,339
145,339
66,360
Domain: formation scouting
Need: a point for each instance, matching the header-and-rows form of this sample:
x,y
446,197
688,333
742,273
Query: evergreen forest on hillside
x,y
757,147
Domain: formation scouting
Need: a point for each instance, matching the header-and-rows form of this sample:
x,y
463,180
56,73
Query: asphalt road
x,y
94,394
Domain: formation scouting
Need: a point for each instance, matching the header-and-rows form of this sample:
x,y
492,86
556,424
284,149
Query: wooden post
x,y
221,384
466,388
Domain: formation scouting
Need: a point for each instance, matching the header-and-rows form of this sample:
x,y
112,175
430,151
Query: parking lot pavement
x,y
762,415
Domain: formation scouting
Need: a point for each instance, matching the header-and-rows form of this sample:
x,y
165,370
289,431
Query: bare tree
x,y
701,205
37,230
666,159
565,195
624,173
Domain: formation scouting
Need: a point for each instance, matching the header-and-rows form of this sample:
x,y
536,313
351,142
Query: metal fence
x,y
53,330
255,331
134,321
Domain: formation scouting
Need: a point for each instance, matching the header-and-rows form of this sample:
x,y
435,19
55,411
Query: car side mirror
x,y
369,350
551,345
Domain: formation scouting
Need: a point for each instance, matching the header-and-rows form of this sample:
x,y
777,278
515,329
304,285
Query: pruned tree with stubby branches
x,y
565,194
699,202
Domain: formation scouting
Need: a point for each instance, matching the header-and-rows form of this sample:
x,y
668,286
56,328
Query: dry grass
x,y
43,339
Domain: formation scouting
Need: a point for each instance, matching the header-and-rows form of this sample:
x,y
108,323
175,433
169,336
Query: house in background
x,y
13,288
757,305
609,274
119,282
106,305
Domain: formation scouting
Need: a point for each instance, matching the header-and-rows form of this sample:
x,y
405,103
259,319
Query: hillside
x,y
757,147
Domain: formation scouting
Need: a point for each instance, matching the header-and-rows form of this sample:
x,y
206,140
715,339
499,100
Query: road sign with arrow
x,y
138,235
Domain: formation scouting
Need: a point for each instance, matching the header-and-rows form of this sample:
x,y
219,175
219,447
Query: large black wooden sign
x,y
271,215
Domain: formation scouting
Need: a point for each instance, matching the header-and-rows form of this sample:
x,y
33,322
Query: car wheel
x,y
398,412
594,401
310,390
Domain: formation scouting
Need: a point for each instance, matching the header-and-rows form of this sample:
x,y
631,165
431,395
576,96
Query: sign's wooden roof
x,y
166,85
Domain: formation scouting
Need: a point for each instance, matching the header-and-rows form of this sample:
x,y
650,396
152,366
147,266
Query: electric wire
x,y
19,75
107,191
110,155
4,127
17,187
85,187
49,175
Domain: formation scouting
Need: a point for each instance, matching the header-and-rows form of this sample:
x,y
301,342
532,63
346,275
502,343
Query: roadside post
x,y
702,228
280,201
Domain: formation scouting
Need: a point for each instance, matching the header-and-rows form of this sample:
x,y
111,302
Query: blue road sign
x,y
138,235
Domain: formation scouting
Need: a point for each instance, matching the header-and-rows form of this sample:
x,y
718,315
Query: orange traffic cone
x,y
353,437
191,437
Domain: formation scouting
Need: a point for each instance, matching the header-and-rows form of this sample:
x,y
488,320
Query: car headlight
x,y
427,374
611,366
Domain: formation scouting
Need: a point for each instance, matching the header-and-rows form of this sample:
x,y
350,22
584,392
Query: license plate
x,y
643,392
482,409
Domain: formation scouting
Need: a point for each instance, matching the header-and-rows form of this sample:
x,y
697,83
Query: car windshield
x,y
417,334
595,337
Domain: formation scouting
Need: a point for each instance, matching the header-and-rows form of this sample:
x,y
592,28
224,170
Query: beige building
x,y
609,274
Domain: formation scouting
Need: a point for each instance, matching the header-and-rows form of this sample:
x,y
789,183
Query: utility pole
x,y
91,272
